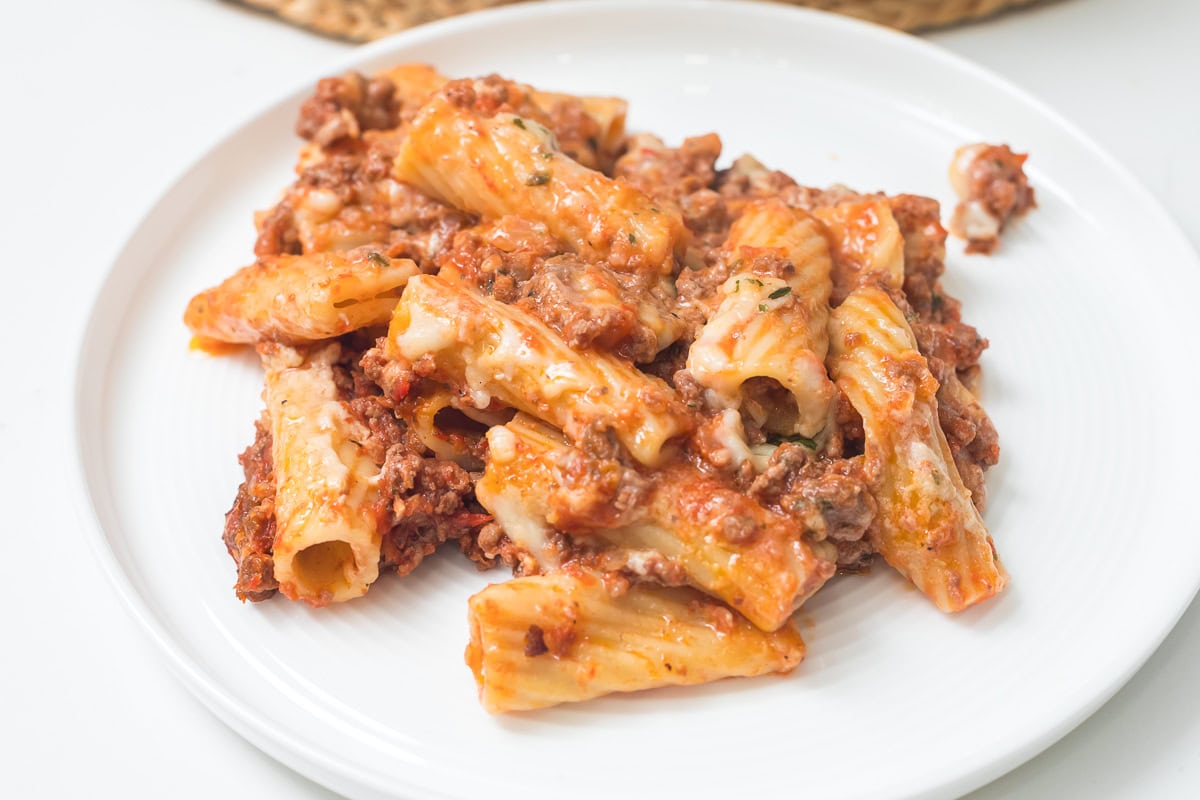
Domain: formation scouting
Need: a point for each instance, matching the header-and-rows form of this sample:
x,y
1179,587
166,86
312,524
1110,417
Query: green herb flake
x,y
547,155
755,281
379,260
655,210
782,291
800,439
811,444
520,123
538,179
632,239
762,306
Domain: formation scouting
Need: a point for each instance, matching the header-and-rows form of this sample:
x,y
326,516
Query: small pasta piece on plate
x,y
992,190
547,639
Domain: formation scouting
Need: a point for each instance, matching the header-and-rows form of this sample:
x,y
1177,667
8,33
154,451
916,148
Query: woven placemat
x,y
364,20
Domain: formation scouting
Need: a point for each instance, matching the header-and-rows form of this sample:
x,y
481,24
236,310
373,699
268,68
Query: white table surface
x,y
103,103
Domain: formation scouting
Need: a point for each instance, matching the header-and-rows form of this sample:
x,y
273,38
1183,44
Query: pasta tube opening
x,y
324,566
768,332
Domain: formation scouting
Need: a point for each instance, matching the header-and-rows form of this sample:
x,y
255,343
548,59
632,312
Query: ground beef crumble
x,y
345,107
829,498
993,190
593,307
952,348
250,523
669,174
431,499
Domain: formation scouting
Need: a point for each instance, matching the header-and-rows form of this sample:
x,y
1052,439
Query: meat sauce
x,y
430,500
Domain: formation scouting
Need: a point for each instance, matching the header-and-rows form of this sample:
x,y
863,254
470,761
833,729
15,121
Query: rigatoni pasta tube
x,y
327,500
518,477
298,299
448,427
548,639
487,349
416,83
504,164
609,114
866,243
639,320
590,130
726,544
772,324
927,526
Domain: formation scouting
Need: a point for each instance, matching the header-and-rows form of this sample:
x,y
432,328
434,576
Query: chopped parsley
x,y
379,260
755,281
538,179
632,239
811,444
782,291
520,123
762,306
797,438
547,155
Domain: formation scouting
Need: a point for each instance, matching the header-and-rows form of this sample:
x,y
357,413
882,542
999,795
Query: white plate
x,y
1086,305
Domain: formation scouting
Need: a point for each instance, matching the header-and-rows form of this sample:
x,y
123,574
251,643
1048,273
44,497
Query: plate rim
x,y
319,764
